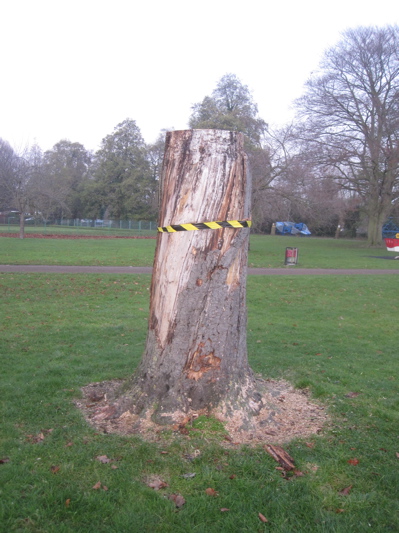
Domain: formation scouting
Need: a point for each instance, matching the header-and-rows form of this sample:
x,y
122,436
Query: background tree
x,y
232,108
286,186
272,168
7,162
125,187
350,120
66,172
155,154
17,173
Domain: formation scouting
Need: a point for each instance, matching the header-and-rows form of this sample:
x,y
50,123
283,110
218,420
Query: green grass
x,y
334,335
109,252
265,251
136,228
269,252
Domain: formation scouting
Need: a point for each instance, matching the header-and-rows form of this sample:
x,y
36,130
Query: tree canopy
x,y
125,185
67,168
230,107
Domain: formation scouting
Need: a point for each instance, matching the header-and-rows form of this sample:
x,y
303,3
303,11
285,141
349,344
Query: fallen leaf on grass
x,y
189,475
346,490
34,439
67,502
97,485
178,499
339,510
103,459
262,518
211,492
310,444
224,509
352,394
397,455
157,484
54,469
69,444
353,461
4,460
192,456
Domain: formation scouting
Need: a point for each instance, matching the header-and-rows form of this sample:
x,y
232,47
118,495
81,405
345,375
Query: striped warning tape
x,y
206,225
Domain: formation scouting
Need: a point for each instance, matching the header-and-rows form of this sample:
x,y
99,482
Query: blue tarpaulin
x,y
390,228
290,228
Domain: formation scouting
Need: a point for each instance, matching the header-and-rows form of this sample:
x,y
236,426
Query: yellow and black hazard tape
x,y
206,225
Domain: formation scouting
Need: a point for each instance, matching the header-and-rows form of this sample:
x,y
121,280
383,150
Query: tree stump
x,y
195,359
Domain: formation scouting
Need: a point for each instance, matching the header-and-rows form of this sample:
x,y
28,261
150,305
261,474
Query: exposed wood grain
x,y
281,456
196,354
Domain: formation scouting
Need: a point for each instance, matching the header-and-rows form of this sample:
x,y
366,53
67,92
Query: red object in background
x,y
392,244
291,256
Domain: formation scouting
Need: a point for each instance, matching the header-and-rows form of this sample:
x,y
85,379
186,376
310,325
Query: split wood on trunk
x,y
196,354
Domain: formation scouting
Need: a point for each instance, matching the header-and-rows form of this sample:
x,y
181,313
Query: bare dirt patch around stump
x,y
288,413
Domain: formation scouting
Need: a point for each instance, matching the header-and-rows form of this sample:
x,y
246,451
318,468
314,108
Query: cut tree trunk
x,y
195,359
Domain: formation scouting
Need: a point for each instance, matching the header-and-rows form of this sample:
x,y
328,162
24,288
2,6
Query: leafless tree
x,y
16,181
27,185
287,186
350,120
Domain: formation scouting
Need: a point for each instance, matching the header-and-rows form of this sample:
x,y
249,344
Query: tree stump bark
x,y
196,354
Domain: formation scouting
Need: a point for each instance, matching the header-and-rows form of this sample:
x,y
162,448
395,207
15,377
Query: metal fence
x,y
80,226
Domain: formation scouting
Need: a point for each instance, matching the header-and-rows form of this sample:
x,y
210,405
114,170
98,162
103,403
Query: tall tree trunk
x,y
374,228
196,355
21,225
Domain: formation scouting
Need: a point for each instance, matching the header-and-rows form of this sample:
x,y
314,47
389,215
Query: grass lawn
x,y
265,251
109,252
136,228
336,336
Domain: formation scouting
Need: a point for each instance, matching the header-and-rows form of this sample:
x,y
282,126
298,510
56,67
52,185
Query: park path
x,y
290,271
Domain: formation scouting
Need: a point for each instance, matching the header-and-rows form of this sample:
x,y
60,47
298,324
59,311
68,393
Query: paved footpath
x,y
290,271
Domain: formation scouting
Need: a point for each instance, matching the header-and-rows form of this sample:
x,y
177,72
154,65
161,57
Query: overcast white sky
x,y
74,69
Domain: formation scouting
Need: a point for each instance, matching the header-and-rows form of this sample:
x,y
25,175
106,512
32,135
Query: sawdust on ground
x,y
288,413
